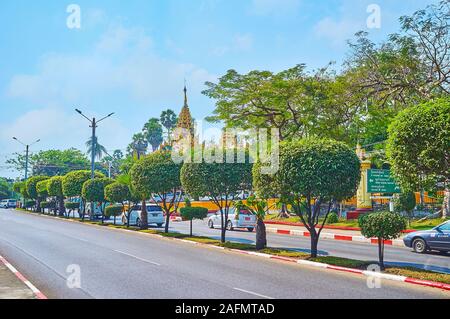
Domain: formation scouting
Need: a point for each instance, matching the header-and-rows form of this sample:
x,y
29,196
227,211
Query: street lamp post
x,y
94,141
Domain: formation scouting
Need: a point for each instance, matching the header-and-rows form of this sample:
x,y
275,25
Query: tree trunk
x,y
61,208
261,238
381,253
166,226
190,229
446,202
283,213
223,229
144,215
314,242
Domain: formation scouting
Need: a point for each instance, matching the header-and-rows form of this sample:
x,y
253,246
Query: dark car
x,y
437,238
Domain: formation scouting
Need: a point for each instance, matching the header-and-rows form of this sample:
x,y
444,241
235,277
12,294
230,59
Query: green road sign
x,y
380,181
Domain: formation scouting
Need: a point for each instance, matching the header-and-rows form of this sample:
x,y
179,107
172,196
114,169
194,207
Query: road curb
x,y
430,284
360,239
366,273
37,292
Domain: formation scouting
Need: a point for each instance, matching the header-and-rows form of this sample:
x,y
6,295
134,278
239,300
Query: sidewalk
x,y
13,285
334,234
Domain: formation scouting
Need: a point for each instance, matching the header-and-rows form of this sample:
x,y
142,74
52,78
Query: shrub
x,y
384,226
333,218
72,205
117,192
29,203
190,213
113,210
47,204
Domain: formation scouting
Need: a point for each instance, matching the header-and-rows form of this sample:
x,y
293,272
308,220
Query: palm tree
x,y
169,121
139,145
99,149
153,133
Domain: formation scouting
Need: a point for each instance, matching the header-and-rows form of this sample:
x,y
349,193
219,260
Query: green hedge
x,y
72,205
114,210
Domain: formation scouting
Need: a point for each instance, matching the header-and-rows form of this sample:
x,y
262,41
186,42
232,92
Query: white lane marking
x,y
253,293
136,257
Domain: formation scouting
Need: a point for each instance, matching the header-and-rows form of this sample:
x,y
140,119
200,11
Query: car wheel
x,y
210,224
250,229
230,225
138,222
159,225
419,246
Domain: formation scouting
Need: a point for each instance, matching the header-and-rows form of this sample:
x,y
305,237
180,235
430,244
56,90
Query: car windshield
x,y
444,227
150,208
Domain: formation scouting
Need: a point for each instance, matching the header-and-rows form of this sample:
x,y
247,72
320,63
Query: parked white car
x,y
155,215
244,219
8,203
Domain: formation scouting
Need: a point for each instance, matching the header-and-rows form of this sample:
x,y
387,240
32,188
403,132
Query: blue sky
x,y
131,57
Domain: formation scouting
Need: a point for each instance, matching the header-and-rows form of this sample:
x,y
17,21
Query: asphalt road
x,y
393,255
117,264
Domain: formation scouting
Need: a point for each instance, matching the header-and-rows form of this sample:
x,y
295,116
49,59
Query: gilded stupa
x,y
185,123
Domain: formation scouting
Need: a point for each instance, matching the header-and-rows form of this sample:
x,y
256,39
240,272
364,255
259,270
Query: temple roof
x,y
185,118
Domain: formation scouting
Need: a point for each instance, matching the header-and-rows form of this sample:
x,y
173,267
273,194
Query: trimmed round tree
x,y
113,211
117,193
191,213
41,189
222,182
54,188
418,147
157,176
384,226
94,191
32,192
315,173
72,184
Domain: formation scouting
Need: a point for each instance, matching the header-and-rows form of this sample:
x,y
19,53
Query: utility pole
x,y
27,153
93,125
94,147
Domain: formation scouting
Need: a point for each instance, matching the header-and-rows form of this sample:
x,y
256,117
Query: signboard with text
x,y
381,181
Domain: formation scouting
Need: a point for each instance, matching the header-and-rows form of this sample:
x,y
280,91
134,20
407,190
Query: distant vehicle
x,y
437,239
155,215
8,203
244,219
97,211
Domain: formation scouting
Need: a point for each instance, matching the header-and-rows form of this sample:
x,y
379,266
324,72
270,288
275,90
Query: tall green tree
x,y
222,182
419,147
169,120
72,185
32,191
93,191
153,133
157,176
314,174
5,189
54,188
51,162
138,145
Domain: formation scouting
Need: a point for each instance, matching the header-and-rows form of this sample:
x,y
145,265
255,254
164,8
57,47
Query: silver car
x,y
243,219
155,215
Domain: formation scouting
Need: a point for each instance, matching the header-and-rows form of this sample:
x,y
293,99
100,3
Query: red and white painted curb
x,y
360,239
37,292
366,273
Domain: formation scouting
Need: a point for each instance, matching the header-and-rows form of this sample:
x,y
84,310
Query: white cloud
x,y
337,32
123,60
274,7
240,43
